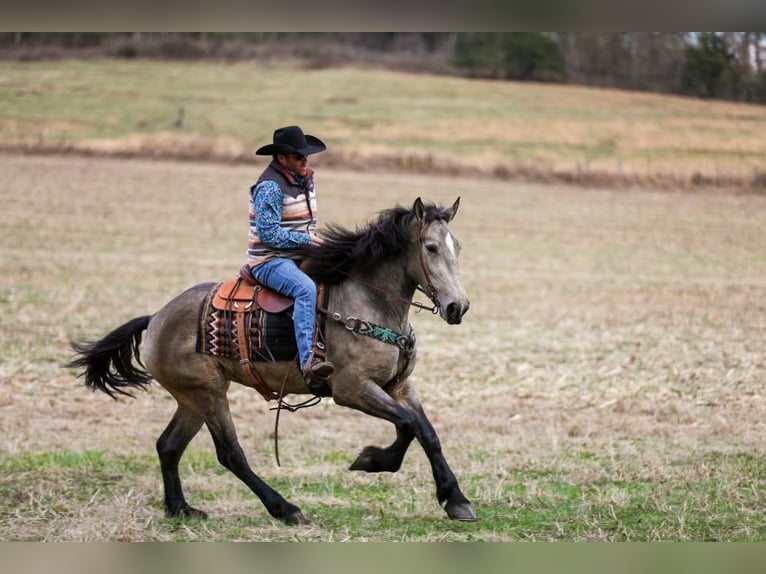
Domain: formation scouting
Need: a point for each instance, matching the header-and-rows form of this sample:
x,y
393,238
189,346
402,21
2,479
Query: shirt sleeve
x,y
267,200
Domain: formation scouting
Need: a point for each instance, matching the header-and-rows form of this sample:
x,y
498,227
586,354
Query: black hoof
x,y
365,461
374,459
296,518
186,511
460,511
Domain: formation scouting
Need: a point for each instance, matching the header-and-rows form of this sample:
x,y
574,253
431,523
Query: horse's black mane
x,y
344,250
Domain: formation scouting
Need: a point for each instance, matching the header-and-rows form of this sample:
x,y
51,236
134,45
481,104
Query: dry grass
x,y
373,118
614,337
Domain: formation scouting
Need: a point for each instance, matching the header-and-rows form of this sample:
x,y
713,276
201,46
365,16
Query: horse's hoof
x,y
364,461
374,459
367,460
296,518
187,511
460,511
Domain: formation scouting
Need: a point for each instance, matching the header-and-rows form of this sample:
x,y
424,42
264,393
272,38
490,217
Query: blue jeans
x,y
284,276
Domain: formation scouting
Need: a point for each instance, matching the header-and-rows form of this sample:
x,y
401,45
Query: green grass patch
x,y
46,461
535,504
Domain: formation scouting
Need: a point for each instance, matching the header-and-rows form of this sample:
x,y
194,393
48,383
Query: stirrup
x,y
317,376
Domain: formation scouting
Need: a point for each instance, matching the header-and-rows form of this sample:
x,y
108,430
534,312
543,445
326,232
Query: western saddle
x,y
243,295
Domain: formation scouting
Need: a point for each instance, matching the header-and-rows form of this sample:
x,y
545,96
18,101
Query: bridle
x,y
431,290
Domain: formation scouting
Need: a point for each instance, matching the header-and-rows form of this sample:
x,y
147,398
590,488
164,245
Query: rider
x,y
283,218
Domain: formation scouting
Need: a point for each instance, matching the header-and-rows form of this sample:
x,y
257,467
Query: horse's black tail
x,y
108,363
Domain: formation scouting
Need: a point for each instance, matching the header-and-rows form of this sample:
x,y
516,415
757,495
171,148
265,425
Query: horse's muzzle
x,y
455,311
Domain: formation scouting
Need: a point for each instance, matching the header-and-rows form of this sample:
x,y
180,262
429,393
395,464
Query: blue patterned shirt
x,y
267,199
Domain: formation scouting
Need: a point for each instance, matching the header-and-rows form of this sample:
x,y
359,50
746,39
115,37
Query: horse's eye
x,y
432,248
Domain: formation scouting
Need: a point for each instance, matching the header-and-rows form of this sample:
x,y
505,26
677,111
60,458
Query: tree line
x,y
722,65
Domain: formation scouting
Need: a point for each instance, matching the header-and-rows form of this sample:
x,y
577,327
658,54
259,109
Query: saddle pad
x,y
271,336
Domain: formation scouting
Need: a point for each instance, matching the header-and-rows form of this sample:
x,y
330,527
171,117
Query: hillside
x,y
373,119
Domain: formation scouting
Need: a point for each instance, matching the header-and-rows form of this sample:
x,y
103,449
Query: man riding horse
x,y
370,276
283,218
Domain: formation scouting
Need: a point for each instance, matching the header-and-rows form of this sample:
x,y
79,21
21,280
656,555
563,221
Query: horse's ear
x,y
454,208
419,210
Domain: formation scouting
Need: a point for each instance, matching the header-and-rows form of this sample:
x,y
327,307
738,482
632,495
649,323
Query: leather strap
x,y
318,346
244,353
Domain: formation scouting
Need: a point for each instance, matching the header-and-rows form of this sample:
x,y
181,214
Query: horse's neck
x,y
384,293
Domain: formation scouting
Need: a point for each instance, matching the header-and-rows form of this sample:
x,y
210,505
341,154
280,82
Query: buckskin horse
x,y
371,276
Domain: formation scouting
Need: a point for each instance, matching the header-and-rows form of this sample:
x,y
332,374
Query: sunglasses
x,y
297,156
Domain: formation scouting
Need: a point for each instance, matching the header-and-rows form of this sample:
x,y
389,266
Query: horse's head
x,y
436,264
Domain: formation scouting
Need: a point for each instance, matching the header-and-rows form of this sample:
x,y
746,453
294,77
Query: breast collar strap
x,y
369,329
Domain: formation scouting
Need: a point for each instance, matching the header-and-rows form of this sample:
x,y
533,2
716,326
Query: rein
x,y
420,306
405,343
430,292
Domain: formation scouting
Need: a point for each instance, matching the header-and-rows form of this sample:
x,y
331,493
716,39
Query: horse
x,y
370,276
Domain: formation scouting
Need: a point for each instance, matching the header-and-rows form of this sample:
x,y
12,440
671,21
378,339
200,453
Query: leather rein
x,y
429,290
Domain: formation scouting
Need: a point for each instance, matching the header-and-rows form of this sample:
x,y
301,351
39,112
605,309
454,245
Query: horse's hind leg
x,y
171,445
231,456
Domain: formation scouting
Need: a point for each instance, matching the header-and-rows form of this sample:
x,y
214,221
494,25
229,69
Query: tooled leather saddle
x,y
244,293
244,320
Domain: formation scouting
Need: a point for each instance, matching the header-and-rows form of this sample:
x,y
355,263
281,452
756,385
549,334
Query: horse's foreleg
x,y
184,425
448,491
372,400
411,422
231,456
376,459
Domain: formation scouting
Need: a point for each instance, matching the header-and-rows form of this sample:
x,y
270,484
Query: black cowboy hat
x,y
291,140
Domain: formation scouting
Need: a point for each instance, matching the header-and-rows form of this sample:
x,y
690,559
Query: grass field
x,y
373,118
607,383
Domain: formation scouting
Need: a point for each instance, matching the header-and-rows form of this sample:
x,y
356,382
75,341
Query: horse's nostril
x,y
453,311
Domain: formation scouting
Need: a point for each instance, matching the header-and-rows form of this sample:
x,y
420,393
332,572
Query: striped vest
x,y
299,213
